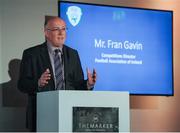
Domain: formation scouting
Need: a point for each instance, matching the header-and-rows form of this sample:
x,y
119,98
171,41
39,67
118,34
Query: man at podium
x,y
51,66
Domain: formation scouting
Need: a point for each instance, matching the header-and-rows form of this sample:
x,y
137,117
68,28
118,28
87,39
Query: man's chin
x,y
58,44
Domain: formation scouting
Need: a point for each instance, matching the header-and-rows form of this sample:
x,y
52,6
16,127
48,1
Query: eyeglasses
x,y
59,29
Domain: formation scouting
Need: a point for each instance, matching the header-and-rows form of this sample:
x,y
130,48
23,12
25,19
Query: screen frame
x,y
140,8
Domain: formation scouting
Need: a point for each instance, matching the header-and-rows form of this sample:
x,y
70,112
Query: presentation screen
x,y
131,49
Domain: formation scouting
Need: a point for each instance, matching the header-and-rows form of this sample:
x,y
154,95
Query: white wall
x,y
1,10
23,26
0,48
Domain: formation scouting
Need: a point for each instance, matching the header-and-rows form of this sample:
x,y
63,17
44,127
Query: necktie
x,y
58,70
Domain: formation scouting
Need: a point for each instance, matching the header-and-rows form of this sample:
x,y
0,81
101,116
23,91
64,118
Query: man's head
x,y
55,31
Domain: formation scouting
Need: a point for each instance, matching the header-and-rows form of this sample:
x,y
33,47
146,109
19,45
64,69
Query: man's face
x,y
55,32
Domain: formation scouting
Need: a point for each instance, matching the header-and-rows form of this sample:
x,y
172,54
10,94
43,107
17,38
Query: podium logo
x,y
95,118
74,14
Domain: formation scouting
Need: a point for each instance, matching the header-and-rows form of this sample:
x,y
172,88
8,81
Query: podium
x,y
81,111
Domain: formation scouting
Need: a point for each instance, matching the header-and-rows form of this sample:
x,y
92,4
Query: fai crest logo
x,y
74,14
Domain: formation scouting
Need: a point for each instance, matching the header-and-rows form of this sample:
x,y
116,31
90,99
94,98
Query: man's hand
x,y
44,78
91,77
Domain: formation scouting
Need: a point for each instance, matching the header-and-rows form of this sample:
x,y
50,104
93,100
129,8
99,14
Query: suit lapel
x,y
46,59
66,59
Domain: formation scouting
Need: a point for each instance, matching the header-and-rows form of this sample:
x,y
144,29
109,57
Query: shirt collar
x,y
51,48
